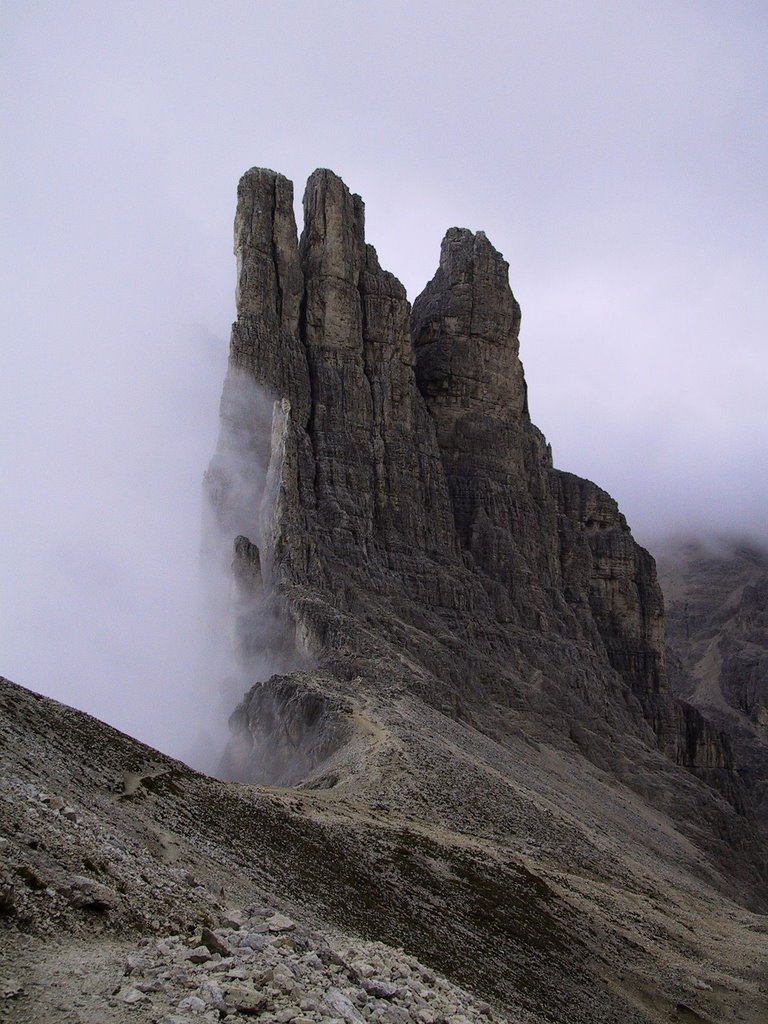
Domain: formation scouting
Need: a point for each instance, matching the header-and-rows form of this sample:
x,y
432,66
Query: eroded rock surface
x,y
288,727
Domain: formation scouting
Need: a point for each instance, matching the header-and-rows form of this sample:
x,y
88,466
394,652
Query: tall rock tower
x,y
399,516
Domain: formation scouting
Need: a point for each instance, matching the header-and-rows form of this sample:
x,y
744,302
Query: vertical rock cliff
x,y
465,330
410,529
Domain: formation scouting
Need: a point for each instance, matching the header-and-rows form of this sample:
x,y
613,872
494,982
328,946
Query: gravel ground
x,y
260,965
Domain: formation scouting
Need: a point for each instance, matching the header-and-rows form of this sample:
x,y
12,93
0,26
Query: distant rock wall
x,y
465,329
717,628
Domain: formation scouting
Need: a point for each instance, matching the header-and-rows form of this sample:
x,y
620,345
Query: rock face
x,y
465,330
291,726
407,479
466,615
717,633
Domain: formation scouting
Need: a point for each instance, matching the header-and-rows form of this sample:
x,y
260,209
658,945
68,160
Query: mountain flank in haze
x,y
717,644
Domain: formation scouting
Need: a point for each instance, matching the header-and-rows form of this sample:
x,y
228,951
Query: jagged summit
x,y
410,474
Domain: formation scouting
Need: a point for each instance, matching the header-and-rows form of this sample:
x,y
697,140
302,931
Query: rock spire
x,y
418,539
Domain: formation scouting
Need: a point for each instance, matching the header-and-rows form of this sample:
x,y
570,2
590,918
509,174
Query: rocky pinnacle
x,y
419,539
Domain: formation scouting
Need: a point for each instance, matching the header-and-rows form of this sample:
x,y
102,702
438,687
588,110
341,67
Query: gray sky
x,y
615,152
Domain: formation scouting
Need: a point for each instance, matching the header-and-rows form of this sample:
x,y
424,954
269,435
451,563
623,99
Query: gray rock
x,y
133,995
11,989
156,985
212,995
380,989
7,895
234,918
716,595
395,1015
192,1004
198,955
342,1005
281,923
86,893
288,1014
247,1000
213,943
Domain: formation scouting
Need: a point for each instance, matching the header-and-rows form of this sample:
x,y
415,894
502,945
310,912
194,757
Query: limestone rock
x,y
380,989
281,923
342,1006
269,287
465,327
192,1004
88,894
132,996
247,1000
285,728
415,534
199,955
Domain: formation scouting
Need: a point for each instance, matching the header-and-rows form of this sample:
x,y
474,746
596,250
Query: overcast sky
x,y
615,152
